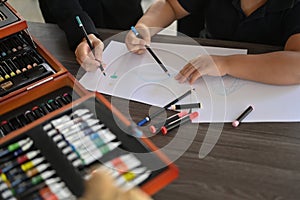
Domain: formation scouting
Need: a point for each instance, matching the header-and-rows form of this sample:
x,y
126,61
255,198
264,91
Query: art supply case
x,y
132,142
49,83
24,62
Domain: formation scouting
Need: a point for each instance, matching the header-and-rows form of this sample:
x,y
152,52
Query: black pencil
x,y
89,43
152,53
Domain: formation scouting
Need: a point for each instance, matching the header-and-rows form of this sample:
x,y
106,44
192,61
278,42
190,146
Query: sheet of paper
x,y
223,99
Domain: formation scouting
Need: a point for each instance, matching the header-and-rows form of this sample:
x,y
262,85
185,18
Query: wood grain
x,y
254,161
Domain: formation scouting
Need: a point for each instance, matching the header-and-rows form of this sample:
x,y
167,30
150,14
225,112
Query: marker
x,y
129,176
28,156
122,164
151,116
6,127
19,144
45,108
76,135
67,97
88,131
30,116
236,122
53,104
156,128
60,101
136,181
78,126
24,148
179,122
89,42
37,112
30,164
185,106
152,53
97,154
40,168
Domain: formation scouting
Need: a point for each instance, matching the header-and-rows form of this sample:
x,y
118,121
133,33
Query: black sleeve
x,y
292,22
192,5
63,12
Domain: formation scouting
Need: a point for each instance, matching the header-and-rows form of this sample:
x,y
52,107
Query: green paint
x,y
114,76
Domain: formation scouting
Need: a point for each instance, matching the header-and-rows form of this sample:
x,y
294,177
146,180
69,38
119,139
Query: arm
x,y
161,14
63,13
280,68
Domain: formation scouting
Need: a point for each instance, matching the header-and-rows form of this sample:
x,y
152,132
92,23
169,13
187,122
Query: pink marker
x,y
156,128
179,122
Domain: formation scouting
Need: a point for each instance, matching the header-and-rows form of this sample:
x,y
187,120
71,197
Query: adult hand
x,y
202,65
101,187
85,56
137,44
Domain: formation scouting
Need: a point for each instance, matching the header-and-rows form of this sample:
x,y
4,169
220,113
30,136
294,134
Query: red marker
x,y
178,122
236,122
155,128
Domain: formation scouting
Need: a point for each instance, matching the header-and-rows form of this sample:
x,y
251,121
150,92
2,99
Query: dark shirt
x,y
273,23
113,14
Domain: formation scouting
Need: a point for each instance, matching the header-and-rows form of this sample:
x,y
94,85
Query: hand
x,y
101,187
85,57
202,65
136,44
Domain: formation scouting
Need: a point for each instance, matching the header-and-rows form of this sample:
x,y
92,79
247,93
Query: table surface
x,y
252,161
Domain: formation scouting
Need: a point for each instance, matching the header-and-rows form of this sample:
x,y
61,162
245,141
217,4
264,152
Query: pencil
x,y
89,42
151,52
151,116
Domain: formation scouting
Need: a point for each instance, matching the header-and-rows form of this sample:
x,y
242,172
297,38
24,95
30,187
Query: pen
x,y
178,122
156,127
89,42
152,53
185,106
151,116
236,122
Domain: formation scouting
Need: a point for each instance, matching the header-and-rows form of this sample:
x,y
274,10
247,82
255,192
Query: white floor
x,y
29,9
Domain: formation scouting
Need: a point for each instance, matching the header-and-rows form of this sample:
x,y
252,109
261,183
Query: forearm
x,y
161,14
64,13
279,68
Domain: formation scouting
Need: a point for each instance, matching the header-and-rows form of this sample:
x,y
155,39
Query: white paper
x,y
223,99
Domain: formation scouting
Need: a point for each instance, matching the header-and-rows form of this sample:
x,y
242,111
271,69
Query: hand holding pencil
x,y
89,51
136,43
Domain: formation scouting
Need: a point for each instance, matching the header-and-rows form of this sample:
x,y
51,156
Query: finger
x,y
98,50
141,51
185,73
138,49
144,33
83,51
89,64
139,42
100,186
194,76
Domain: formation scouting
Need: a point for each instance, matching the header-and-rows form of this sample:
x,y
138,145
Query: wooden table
x,y
253,161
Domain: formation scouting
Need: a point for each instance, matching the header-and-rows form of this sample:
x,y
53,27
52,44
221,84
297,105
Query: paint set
x,y
54,133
